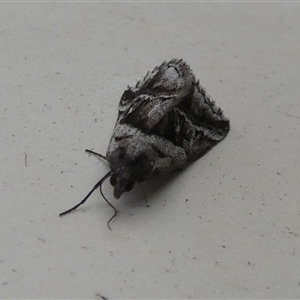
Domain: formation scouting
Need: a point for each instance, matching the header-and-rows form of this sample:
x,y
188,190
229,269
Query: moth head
x,y
127,170
121,184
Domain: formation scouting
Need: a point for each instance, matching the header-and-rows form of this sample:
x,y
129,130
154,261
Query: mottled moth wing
x,y
165,122
151,100
171,104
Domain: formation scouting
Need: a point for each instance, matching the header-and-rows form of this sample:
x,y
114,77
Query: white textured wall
x,y
63,68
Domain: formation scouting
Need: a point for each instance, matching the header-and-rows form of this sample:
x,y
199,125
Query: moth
x,y
165,122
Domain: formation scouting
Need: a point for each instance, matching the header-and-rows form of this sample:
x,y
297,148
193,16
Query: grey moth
x,y
166,121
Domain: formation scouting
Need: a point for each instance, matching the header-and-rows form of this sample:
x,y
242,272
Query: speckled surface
x,y
226,227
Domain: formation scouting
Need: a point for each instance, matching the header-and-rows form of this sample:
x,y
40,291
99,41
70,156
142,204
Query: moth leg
x,y
96,154
146,200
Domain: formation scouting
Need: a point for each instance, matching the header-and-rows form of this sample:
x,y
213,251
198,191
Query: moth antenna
x,y
115,211
98,184
95,153
143,192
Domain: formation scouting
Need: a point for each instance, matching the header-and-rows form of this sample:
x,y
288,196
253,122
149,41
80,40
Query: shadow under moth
x,y
165,122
